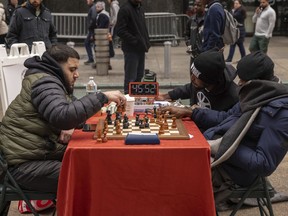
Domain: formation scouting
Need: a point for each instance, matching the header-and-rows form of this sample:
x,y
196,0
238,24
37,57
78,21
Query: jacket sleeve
x,y
53,34
212,119
14,29
51,102
269,151
183,92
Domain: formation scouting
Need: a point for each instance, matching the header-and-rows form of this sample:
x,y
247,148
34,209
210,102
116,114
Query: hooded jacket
x,y
26,27
131,28
266,142
33,121
223,97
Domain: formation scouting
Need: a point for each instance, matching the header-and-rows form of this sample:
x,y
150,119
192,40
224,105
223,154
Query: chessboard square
x,y
154,127
146,130
174,132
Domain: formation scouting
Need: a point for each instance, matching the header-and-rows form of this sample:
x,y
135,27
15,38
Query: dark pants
x,y
37,175
133,67
239,43
232,50
89,46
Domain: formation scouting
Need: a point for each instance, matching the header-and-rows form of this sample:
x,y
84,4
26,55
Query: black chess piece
x,y
146,122
108,117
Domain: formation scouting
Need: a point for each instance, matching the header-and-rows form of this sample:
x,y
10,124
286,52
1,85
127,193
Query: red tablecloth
x,y
113,179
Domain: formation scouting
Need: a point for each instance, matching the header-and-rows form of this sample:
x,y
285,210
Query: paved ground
x,y
278,51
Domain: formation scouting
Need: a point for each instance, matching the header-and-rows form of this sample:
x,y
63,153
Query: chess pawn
x,y
174,125
104,139
161,129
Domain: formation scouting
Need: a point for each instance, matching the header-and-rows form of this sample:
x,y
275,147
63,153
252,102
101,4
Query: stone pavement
x,y
278,51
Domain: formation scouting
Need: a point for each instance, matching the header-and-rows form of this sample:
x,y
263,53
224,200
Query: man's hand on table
x,y
65,136
178,112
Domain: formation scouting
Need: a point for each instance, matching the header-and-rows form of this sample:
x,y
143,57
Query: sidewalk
x,y
278,51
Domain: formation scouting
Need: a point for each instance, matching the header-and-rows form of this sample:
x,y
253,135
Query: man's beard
x,y
68,88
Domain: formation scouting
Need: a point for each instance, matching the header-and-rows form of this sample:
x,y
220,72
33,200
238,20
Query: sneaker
x,y
88,62
109,67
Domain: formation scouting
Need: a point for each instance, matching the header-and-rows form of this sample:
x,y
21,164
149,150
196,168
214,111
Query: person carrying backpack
x,y
214,24
239,13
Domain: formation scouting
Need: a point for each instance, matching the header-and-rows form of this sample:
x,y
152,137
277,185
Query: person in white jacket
x,y
3,25
265,18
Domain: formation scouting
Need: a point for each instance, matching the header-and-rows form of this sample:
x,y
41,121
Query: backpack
x,y
231,32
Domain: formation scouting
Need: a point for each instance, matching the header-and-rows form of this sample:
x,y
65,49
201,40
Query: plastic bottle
x,y
91,87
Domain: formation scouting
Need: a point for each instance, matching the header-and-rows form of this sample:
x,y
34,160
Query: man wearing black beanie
x,y
211,86
262,147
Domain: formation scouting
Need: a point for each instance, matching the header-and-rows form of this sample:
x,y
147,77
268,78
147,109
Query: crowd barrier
x,y
161,26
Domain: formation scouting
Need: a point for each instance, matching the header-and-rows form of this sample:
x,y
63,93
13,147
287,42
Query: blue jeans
x,y
89,46
133,67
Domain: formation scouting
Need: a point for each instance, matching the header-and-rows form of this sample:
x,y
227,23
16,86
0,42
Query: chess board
x,y
177,133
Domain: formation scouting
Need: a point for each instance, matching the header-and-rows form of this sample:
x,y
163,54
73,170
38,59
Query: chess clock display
x,y
143,89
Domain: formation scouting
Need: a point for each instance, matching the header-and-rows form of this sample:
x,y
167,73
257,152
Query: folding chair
x,y
260,189
11,191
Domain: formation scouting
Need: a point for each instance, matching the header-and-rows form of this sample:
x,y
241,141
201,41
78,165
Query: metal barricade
x,y
70,25
166,26
161,26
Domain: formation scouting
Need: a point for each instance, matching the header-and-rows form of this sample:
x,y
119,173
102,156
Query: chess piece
x,y
161,129
174,125
104,139
166,126
108,117
146,122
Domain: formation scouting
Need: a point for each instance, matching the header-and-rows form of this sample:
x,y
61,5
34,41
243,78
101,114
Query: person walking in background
x,y
239,13
32,22
214,23
3,25
114,9
194,31
11,6
265,18
132,30
89,41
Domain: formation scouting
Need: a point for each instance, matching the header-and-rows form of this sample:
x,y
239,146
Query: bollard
x,y
102,51
167,59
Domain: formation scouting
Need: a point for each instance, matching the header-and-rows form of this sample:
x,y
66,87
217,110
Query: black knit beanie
x,y
256,65
209,67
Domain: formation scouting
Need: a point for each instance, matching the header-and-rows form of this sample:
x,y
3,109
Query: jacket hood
x,y
45,64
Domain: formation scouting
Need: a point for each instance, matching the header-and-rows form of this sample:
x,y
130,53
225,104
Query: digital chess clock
x,y
143,89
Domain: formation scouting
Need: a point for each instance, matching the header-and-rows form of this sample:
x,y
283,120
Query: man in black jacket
x,y
39,123
211,86
31,22
132,30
